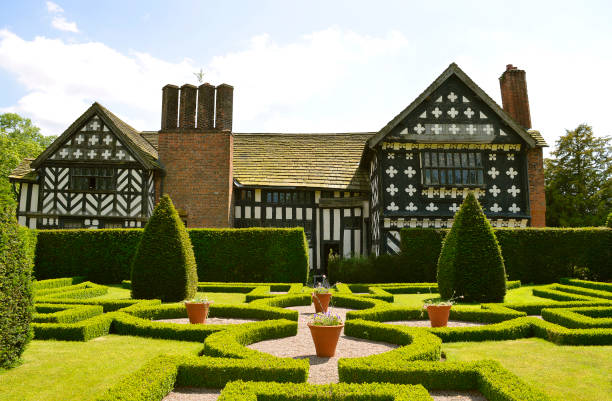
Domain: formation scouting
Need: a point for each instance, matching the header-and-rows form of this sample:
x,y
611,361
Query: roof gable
x,y
100,136
454,109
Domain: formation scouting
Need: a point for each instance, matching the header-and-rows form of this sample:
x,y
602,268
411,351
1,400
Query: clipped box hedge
x,y
104,256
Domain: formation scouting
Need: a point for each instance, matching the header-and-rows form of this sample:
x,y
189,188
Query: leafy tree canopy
x,y
19,139
579,180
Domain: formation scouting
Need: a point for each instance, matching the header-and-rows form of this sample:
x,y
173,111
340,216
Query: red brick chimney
x,y
515,101
198,156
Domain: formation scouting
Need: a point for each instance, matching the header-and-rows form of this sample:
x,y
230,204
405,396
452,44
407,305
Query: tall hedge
x,y
164,266
105,256
470,263
16,304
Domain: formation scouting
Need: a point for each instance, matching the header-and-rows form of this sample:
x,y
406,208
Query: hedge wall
x,y
104,256
531,255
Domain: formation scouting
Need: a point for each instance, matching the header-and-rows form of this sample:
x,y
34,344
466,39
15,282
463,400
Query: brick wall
x,y
537,197
199,175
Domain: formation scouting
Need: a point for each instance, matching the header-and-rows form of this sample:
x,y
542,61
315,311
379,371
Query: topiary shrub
x,y
16,305
164,265
470,263
609,220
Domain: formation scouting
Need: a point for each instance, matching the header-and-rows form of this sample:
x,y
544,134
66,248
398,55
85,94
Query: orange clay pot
x,y
197,312
438,315
325,339
321,301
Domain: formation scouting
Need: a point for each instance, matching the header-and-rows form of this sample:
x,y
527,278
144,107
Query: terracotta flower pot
x,y
197,312
321,301
325,339
438,315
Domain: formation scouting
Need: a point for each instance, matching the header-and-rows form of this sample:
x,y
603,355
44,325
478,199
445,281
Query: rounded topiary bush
x,y
470,263
16,256
164,265
609,220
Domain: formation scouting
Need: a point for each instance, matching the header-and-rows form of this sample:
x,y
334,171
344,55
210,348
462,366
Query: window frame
x,y
78,175
464,166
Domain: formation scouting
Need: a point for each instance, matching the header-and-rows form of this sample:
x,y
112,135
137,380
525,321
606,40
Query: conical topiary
x,y
471,263
164,266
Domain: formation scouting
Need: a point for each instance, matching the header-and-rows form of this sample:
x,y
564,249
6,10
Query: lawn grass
x,y
67,370
578,373
115,291
524,295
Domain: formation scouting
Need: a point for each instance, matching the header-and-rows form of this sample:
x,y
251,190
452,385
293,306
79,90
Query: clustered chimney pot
x,y
515,100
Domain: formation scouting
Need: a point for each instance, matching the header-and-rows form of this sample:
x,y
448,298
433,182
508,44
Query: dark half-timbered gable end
x,y
98,174
451,140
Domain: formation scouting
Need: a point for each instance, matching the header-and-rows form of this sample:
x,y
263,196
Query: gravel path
x,y
457,396
210,320
425,323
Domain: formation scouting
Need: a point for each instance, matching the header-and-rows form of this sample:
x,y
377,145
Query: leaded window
x,y
462,169
289,197
92,179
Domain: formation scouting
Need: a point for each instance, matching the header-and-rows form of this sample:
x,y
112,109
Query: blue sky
x,y
316,66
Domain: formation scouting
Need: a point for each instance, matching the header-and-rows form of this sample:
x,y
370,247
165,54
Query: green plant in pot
x,y
197,309
438,311
320,298
325,329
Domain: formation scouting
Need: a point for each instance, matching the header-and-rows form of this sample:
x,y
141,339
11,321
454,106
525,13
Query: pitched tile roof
x,y
301,160
537,137
23,171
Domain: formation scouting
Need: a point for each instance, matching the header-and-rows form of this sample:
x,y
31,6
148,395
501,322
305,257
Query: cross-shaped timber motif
x,y
392,207
419,128
409,156
492,156
64,152
411,207
79,139
93,139
95,125
410,171
391,171
494,191
106,154
108,139
436,129
92,153
510,156
431,207
120,154
514,208
77,154
493,172
511,173
392,189
514,190
454,129
488,129
469,113
452,97
410,189
436,112
454,208
452,112
390,155
471,129
495,208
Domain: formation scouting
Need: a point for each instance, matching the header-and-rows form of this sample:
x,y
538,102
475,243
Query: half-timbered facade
x,y
352,192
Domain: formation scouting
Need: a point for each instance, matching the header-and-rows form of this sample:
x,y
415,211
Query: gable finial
x,y
199,75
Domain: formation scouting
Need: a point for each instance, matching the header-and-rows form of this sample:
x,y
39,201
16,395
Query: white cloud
x,y
59,21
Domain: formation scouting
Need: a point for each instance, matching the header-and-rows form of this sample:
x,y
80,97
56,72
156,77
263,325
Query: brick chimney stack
x,y
515,101
197,154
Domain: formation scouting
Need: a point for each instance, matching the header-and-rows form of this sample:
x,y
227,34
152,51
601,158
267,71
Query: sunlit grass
x,y
577,373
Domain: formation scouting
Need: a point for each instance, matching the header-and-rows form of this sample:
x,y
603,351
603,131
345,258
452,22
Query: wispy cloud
x,y
59,21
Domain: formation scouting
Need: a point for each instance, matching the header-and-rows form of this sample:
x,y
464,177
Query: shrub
x,y
470,263
609,220
372,269
16,256
164,266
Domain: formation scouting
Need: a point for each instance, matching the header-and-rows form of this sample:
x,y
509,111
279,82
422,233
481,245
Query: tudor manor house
x,y
351,192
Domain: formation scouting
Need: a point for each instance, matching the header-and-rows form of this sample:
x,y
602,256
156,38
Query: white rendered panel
x,y
357,235
34,201
298,213
346,248
258,212
22,221
24,198
32,224
326,225
247,212
289,213
336,224
279,213
238,212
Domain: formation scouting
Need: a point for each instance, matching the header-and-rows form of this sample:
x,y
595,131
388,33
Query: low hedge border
x,y
409,288
56,283
58,313
551,293
582,291
109,305
264,291
62,289
535,308
594,285
284,301
84,330
82,291
489,377
253,391
580,318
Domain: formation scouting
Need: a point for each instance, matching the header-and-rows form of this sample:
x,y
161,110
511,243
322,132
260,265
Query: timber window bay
x,y
92,179
462,169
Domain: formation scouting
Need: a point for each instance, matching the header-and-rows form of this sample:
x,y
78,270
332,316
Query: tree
x,y
19,139
579,180
164,266
470,263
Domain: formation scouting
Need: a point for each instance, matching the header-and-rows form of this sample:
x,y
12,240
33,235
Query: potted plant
x,y
320,298
197,309
325,329
438,312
